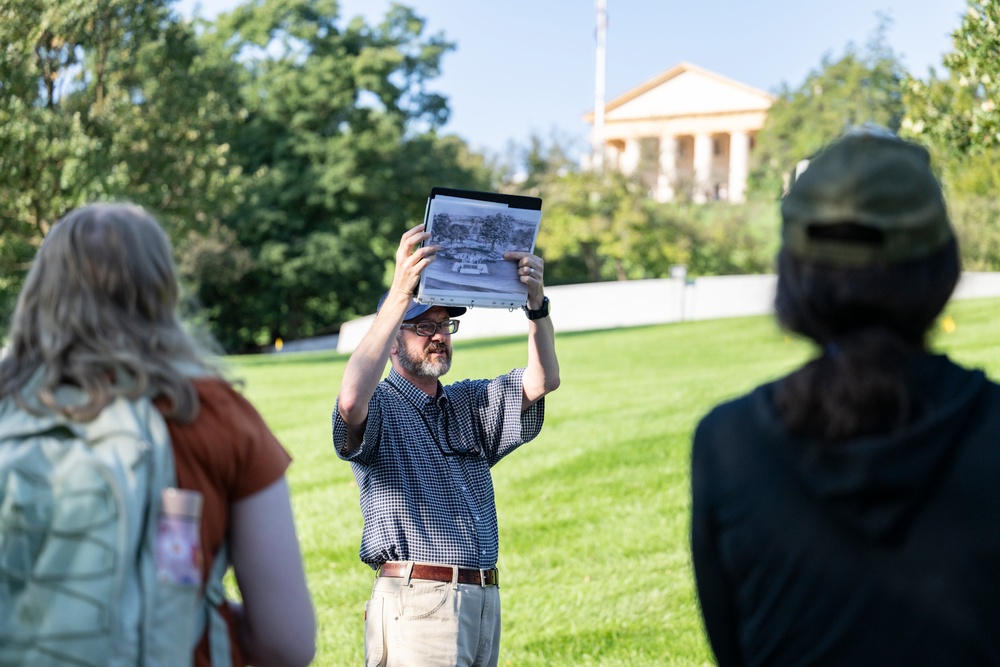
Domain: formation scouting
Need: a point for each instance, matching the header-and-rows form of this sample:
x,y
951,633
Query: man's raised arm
x,y
367,363
542,373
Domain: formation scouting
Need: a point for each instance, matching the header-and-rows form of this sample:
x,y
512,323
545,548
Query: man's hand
x,y
411,260
529,271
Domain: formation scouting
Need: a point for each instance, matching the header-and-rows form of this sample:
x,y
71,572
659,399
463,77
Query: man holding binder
x,y
421,453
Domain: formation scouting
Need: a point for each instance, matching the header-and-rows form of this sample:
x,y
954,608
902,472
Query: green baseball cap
x,y
867,199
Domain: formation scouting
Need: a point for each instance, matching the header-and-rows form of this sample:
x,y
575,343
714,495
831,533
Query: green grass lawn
x,y
594,559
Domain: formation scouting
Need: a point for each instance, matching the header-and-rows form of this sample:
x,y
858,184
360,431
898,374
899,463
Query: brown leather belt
x,y
466,575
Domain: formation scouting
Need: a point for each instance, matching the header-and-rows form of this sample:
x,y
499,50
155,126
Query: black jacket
x,y
876,551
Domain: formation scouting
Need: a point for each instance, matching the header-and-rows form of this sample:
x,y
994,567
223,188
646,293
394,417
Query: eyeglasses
x,y
430,328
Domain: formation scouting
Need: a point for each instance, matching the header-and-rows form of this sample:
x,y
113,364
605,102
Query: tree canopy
x,y
284,151
957,114
99,101
340,147
960,112
861,86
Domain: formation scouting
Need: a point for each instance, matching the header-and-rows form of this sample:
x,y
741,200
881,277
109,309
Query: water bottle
x,y
178,541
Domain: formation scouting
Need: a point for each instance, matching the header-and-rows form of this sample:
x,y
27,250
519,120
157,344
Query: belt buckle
x,y
482,577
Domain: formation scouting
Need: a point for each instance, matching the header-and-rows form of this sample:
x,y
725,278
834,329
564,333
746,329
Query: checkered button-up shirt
x,y
423,468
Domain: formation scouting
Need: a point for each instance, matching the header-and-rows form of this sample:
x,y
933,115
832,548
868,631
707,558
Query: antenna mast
x,y
597,136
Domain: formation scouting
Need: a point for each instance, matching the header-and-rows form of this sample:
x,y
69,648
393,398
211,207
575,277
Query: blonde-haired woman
x,y
98,311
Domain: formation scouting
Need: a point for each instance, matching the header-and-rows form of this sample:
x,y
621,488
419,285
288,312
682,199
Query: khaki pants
x,y
424,623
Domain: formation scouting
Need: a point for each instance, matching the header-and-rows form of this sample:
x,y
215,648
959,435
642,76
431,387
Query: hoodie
x,y
878,550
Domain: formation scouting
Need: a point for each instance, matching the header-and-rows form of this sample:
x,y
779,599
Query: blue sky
x,y
524,67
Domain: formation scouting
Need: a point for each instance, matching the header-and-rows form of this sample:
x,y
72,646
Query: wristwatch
x,y
540,313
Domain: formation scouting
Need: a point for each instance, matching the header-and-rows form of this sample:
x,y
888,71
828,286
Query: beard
x,y
422,365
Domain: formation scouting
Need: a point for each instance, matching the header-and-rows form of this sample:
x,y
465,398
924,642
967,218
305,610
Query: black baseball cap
x,y
417,308
876,186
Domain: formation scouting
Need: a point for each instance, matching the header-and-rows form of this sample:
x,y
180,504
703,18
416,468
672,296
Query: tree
x,y
526,169
957,115
961,112
859,87
341,142
593,226
107,100
497,228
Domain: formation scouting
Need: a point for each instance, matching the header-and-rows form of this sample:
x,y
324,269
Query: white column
x,y
739,166
667,175
612,156
702,167
630,157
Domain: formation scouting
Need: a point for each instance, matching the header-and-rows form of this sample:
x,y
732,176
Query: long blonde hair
x,y
98,310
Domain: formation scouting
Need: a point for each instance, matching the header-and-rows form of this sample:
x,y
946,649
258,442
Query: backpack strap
x,y
157,647
210,617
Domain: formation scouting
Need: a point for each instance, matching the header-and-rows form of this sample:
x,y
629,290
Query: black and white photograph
x,y
470,268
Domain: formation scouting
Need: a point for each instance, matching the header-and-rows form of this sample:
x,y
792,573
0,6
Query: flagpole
x,y
597,137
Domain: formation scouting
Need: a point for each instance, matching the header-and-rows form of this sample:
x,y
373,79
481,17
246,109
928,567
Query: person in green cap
x,y
846,513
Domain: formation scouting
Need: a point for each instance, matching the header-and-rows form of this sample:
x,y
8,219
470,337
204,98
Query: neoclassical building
x,y
687,130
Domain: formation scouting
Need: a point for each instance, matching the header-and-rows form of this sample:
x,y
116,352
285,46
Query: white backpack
x,y
79,504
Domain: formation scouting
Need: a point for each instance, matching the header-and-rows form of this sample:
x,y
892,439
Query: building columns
x,y
702,168
630,157
739,166
626,156
612,156
667,173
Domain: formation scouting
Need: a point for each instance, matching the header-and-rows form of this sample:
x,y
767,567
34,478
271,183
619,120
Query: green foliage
x,y
607,228
937,111
284,153
733,239
98,101
286,150
859,87
594,513
526,168
960,114
956,115
589,224
977,225
340,145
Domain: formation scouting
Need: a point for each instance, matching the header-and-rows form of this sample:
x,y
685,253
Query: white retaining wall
x,y
628,304
640,302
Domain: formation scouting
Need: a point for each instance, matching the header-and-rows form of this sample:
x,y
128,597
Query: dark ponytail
x,y
869,322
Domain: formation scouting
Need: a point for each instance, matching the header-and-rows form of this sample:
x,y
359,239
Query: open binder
x,y
474,230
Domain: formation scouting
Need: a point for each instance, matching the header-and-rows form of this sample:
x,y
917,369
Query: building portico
x,y
686,133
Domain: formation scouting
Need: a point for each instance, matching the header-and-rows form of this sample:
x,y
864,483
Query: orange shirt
x,y
228,453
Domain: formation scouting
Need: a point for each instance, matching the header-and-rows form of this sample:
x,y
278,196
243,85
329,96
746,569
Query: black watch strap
x,y
540,313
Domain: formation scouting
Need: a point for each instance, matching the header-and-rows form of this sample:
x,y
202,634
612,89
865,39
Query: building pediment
x,y
685,90
687,131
